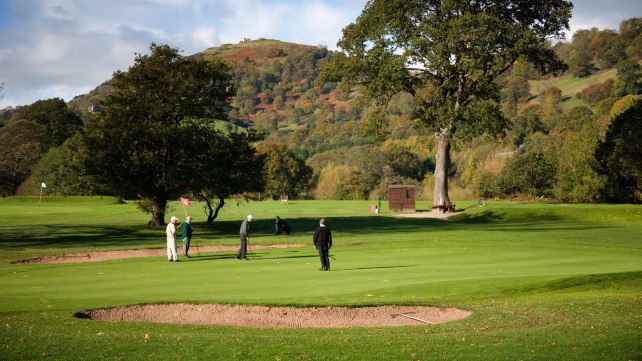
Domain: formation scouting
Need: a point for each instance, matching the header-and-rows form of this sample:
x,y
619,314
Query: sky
x,y
65,48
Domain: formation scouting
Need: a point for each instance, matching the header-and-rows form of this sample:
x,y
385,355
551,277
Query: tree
x,y
142,138
329,179
22,144
629,78
446,54
357,185
619,156
375,124
221,165
60,122
285,174
61,172
517,90
527,122
577,179
529,174
595,93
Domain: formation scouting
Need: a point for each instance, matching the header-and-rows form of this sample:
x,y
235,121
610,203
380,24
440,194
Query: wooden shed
x,y
401,198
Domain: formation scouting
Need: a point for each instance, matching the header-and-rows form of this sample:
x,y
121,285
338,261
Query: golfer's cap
x,y
173,218
249,216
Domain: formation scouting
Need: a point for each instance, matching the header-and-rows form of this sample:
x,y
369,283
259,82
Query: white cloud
x,y
203,38
64,48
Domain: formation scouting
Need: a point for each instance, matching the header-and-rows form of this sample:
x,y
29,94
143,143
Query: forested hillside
x,y
565,142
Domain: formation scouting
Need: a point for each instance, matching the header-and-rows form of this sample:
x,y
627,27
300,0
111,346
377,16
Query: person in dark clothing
x,y
323,242
281,226
186,235
244,236
278,224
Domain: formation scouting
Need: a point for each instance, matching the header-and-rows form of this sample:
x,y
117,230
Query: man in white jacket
x,y
172,255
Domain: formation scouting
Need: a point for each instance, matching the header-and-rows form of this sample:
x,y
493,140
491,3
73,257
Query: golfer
x,y
323,242
278,224
244,236
172,256
186,235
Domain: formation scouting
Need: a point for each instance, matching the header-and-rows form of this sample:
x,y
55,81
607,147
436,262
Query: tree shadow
x,y
136,236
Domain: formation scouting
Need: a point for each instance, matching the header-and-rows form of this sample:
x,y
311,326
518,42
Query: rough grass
x,y
544,281
570,86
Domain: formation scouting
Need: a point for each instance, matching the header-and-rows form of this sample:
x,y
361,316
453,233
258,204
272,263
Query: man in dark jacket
x,y
186,235
323,242
278,224
244,236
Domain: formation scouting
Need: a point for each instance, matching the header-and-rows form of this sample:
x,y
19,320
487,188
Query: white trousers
x,y
171,249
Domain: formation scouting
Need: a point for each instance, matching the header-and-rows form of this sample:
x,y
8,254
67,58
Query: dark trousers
x,y
324,255
242,253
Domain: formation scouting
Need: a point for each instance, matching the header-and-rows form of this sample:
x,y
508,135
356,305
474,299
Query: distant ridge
x,y
252,51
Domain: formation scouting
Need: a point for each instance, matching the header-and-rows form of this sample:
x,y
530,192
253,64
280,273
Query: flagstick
x,y
184,209
40,200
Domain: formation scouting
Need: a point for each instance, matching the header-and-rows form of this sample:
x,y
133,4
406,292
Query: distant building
x,y
401,198
95,108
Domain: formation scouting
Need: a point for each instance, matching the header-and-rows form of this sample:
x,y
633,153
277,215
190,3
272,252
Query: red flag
x,y
185,202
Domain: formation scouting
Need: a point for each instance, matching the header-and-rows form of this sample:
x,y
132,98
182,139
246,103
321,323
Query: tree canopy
x,y
59,121
446,54
142,138
619,155
221,165
286,174
22,143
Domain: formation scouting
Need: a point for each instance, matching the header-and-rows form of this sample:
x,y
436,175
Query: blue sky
x,y
64,48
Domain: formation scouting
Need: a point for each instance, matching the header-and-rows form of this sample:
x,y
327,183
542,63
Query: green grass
x,y
544,281
570,86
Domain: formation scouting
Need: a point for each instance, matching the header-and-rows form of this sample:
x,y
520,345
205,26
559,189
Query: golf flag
x,y
185,202
44,185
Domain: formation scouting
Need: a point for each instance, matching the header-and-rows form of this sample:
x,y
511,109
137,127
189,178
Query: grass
x,y
544,281
570,86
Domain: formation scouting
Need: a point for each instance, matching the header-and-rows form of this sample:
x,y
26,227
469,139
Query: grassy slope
x,y
570,86
544,281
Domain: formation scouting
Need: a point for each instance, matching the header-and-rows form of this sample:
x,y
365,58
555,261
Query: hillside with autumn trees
x,y
575,137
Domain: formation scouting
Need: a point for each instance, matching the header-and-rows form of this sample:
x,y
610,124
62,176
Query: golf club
x,y
249,249
197,250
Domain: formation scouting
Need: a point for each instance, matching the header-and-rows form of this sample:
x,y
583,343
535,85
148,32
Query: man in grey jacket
x,y
244,236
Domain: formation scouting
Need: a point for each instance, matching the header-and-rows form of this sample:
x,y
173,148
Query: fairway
x,y
543,281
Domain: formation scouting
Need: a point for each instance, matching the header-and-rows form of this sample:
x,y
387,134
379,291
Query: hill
x,y
279,94
254,53
571,86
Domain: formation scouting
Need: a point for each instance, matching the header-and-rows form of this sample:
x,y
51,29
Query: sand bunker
x,y
279,317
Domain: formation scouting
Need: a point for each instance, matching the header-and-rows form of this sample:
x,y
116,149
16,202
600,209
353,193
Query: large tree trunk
x,y
158,212
441,201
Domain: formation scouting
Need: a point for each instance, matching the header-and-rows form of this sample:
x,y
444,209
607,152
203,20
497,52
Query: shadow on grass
x,y
594,281
139,236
